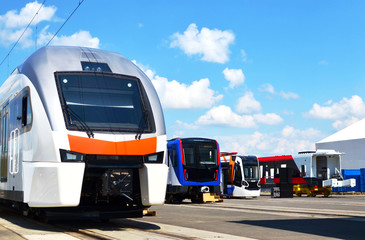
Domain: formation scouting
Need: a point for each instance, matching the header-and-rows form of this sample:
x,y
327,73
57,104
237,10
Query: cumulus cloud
x,y
13,24
267,87
234,76
13,19
345,112
288,141
176,95
211,44
340,124
342,109
248,104
224,116
81,38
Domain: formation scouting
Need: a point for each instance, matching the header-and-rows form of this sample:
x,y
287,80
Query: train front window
x,y
104,102
251,169
200,154
208,154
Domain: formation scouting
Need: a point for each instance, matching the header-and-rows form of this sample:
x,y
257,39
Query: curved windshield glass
x,y
250,168
104,102
200,153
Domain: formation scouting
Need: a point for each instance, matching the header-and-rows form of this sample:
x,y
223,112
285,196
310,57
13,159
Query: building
x,y
351,142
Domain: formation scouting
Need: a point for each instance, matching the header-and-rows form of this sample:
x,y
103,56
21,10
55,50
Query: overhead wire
x,y
80,2
22,33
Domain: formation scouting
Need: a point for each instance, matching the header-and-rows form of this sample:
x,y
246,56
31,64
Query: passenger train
x,y
194,169
82,130
240,175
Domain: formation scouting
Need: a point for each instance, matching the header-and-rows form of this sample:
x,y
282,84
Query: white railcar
x,y
81,129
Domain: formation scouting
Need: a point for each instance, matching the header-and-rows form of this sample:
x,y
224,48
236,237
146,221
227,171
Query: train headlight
x,y
68,156
154,158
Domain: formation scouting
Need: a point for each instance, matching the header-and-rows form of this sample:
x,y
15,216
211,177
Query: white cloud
x,y
175,95
13,20
212,45
340,124
248,104
234,76
269,118
267,87
289,141
344,113
224,116
81,38
341,110
12,25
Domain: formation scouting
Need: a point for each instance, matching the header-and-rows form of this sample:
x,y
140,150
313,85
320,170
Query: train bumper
x,y
53,184
153,180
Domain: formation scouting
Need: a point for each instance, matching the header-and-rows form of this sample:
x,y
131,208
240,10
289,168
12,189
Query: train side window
x,y
26,111
303,170
174,158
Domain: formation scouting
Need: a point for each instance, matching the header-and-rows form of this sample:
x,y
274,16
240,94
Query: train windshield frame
x,y
200,154
250,168
94,101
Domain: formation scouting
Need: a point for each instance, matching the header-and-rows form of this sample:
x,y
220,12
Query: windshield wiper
x,y
83,126
143,121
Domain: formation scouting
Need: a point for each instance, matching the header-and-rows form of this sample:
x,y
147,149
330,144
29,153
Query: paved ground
x,y
336,217
273,218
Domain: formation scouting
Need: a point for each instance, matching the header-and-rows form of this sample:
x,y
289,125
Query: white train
x,y
81,130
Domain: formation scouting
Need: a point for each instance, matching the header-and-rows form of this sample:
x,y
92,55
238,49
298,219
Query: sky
x,y
261,77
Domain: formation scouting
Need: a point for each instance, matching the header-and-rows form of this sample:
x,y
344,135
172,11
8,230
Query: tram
x,y
240,175
194,169
82,130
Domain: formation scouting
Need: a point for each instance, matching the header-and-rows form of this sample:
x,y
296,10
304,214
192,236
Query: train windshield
x,y
200,154
104,102
250,168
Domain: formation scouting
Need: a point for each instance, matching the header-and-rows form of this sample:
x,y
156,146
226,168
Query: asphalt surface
x,y
336,217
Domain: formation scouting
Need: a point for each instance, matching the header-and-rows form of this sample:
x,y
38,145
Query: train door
x,y
238,176
322,167
4,143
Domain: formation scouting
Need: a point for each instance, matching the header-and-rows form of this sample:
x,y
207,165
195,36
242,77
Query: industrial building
x,y
351,142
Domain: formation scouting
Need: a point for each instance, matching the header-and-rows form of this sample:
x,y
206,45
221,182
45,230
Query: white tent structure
x,y
351,142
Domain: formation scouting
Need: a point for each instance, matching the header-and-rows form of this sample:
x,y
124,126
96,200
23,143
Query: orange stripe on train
x,y
100,147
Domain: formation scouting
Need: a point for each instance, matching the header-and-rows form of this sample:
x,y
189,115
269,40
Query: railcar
x,y
309,172
240,175
82,130
194,169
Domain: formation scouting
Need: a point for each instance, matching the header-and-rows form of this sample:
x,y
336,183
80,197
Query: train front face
x,y
199,165
105,120
251,172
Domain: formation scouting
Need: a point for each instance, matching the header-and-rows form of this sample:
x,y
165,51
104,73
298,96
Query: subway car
x,y
194,169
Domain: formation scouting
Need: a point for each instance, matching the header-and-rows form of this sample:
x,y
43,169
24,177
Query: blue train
x,y
194,169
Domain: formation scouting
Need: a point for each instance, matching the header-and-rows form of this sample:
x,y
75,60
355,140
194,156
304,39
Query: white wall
x,y
354,150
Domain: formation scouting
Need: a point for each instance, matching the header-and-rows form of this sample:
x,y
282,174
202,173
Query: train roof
x,y
41,66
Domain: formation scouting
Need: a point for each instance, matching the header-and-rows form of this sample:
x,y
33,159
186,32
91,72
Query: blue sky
x,y
261,77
